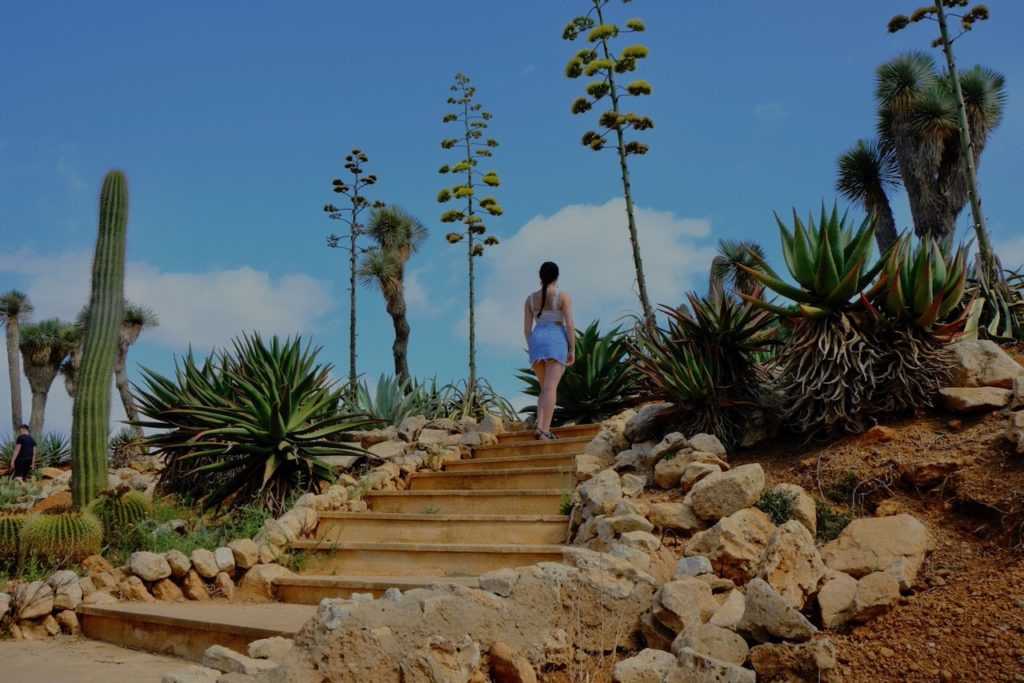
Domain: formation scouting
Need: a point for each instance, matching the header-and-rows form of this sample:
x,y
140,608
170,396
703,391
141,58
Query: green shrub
x,y
10,535
779,505
831,522
841,490
600,384
247,426
61,539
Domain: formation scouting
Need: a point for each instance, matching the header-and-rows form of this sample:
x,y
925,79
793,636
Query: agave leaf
x,y
847,287
827,277
779,286
923,294
803,253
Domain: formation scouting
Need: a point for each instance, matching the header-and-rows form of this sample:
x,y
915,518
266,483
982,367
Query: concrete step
x,y
527,502
542,447
310,590
437,528
568,431
417,559
187,629
561,460
558,478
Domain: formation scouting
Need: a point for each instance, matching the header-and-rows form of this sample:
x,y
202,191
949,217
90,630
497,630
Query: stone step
x,y
568,431
539,447
558,478
437,528
527,502
511,462
310,590
418,559
186,629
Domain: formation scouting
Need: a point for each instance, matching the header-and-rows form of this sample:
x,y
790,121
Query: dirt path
x,y
79,660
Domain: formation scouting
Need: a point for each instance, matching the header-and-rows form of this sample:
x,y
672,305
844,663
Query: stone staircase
x,y
501,508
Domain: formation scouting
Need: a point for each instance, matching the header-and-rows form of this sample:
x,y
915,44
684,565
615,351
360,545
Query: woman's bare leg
x,y
552,375
540,369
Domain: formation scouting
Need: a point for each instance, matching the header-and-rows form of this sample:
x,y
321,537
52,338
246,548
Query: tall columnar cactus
x,y
91,413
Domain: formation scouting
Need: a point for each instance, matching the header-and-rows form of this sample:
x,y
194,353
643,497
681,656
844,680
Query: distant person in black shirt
x,y
24,459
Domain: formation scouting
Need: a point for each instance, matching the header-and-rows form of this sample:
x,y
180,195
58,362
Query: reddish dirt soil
x,y
58,502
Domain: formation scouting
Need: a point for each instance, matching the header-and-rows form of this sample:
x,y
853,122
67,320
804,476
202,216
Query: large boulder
x,y
675,516
646,423
983,363
32,599
871,544
707,443
149,566
735,543
722,493
974,400
790,662
791,564
684,602
600,494
767,616
67,591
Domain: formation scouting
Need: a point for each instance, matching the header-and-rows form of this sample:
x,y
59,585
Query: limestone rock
x,y
194,587
646,423
205,562
648,666
149,566
693,566
389,450
930,472
707,443
245,552
99,598
167,590
178,562
669,471
682,602
228,661
5,604
693,667
410,427
804,510
224,586
735,543
273,648
225,558
508,665
132,588
836,599
675,516
633,485
983,363
872,544
974,400
600,494
589,465
791,662
95,564
492,424
67,591
1015,430
791,564
723,493
500,581
257,584
767,616
445,660
622,524
31,600
192,674
731,611
694,472
67,620
876,594
656,635
87,585
712,641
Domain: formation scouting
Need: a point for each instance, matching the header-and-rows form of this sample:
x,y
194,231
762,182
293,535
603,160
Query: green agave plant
x,y
395,400
247,426
458,401
600,384
830,262
921,285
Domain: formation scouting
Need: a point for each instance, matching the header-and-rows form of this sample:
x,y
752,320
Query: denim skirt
x,y
548,341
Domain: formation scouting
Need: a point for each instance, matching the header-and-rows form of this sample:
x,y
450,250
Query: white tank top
x,y
552,315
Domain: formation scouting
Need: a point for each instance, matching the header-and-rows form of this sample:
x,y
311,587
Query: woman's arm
x,y
527,319
570,326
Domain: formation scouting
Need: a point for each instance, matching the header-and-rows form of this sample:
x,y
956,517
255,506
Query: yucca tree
x,y
727,275
15,310
137,319
396,235
868,173
44,346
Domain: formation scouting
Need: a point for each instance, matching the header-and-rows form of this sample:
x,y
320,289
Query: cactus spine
x,y
90,424
62,539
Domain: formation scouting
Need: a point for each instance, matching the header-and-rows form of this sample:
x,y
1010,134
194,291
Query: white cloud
x,y
769,112
1011,252
591,246
204,309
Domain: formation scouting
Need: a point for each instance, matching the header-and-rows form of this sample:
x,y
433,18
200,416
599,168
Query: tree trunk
x,y
400,349
885,224
35,423
123,387
14,371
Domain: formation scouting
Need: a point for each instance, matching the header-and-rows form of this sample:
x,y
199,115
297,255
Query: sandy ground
x,y
70,659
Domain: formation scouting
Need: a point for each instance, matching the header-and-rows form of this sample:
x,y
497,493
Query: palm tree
x,y
917,118
397,235
726,270
867,174
15,309
44,346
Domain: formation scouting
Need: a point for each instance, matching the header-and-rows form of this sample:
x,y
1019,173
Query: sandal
x,y
548,436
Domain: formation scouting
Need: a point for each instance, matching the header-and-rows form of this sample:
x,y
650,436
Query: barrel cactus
x,y
63,538
10,533
90,424
120,511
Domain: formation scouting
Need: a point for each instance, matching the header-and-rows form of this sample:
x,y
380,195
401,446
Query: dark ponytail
x,y
548,274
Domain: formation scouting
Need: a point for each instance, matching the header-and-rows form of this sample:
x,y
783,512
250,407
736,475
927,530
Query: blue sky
x,y
231,119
